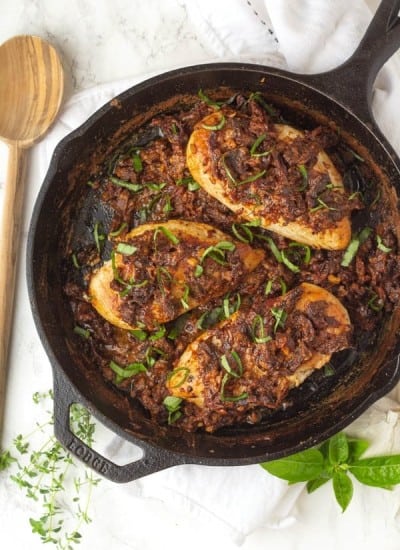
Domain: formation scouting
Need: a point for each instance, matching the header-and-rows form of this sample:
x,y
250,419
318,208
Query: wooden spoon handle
x,y
9,247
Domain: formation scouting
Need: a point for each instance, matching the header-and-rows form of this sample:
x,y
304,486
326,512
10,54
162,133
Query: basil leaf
x,y
381,471
338,448
302,466
357,447
316,483
343,488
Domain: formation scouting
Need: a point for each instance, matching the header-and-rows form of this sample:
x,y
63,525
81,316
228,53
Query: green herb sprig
x,y
334,461
60,487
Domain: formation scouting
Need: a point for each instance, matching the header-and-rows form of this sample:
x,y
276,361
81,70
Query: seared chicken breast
x,y
277,176
255,357
159,271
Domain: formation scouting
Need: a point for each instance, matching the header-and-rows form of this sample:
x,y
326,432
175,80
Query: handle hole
x,y
100,438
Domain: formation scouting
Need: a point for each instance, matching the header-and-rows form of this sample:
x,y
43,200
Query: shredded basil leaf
x,y
215,127
98,236
83,332
255,146
137,162
134,187
173,405
382,246
167,233
126,372
217,252
126,249
285,260
118,231
304,174
354,245
248,236
185,296
75,261
258,331
280,317
181,379
208,101
139,334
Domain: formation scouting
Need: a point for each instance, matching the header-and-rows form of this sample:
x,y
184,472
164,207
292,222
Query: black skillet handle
x,y
152,460
351,84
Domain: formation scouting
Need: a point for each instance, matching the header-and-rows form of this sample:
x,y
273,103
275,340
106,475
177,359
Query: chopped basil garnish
x,y
382,246
210,318
82,332
137,162
247,235
154,186
126,249
167,206
258,331
256,96
225,364
99,237
355,155
214,127
158,334
163,277
167,233
129,285
190,183
208,101
235,182
152,355
283,286
229,308
217,252
304,174
268,287
185,296
255,146
306,248
328,370
377,198
231,373
139,334
199,269
126,372
280,317
274,249
354,245
321,205
375,302
285,260
181,373
118,231
134,187
173,405
75,261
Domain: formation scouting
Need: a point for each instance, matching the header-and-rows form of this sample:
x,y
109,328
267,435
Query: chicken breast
x,y
159,271
260,179
256,356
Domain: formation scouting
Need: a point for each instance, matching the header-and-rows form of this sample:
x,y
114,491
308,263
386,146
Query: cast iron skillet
x,y
341,97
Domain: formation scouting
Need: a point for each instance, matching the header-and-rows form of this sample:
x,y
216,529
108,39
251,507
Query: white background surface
x,y
101,42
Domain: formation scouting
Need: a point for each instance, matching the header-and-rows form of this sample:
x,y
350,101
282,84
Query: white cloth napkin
x,y
302,35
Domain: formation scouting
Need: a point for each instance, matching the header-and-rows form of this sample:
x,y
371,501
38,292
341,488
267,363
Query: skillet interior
x,y
321,406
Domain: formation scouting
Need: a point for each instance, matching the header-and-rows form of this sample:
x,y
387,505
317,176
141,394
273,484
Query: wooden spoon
x,y
31,90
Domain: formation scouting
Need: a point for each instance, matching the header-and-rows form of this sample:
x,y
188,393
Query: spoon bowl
x,y
31,91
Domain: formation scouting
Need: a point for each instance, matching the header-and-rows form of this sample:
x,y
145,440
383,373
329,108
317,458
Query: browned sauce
x,y
151,183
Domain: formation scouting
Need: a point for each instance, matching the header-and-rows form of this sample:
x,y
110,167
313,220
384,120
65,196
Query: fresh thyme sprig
x,y
50,476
